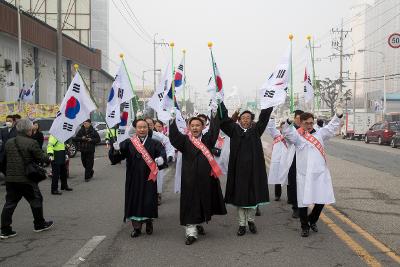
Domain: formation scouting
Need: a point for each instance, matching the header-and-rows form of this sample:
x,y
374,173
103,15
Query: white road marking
x,y
81,255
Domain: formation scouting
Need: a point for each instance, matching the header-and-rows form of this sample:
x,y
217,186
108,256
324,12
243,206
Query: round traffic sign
x,y
394,40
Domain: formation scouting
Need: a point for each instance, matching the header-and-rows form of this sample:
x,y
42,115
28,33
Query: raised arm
x,y
212,135
263,120
117,156
330,129
176,137
227,125
271,129
291,135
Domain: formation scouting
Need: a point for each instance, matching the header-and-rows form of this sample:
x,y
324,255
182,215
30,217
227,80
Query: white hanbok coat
x,y
281,158
314,182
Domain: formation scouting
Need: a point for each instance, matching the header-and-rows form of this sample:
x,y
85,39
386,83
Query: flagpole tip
x,y
308,37
210,44
121,55
291,36
172,44
184,51
76,66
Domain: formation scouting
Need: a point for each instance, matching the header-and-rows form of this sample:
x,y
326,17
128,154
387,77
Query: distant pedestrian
x,y
87,138
17,184
37,134
6,134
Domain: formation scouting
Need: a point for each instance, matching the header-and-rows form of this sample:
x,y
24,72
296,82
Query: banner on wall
x,y
29,110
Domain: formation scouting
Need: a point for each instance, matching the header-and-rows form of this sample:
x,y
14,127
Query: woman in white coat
x,y
314,183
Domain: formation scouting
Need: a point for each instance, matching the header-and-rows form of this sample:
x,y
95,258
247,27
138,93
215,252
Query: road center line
x,y
353,245
388,251
81,255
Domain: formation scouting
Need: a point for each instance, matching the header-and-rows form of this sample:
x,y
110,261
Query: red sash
x,y
220,142
278,139
215,169
146,157
314,141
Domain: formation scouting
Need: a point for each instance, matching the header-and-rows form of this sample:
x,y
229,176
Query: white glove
x,y
159,161
116,146
139,115
51,158
339,109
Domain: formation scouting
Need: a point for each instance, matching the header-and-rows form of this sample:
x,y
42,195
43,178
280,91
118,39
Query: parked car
x,y
101,128
382,132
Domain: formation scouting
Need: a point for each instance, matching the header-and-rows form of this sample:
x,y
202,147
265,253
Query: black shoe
x,y
314,227
295,214
44,227
258,212
200,230
136,233
56,192
252,227
87,179
241,231
7,234
149,227
190,240
66,188
277,198
305,232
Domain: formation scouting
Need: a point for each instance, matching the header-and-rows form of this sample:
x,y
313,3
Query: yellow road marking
x,y
353,245
388,251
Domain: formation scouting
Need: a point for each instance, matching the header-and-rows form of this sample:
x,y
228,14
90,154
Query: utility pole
x,y
59,55
338,45
154,56
354,102
21,81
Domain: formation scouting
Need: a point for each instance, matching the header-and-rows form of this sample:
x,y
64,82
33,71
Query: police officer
x,y
57,154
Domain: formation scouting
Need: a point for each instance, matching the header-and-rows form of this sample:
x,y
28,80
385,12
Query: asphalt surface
x,y
367,196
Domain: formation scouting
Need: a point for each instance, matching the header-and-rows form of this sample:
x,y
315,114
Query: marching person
x,y
111,135
247,182
17,184
87,138
201,194
169,149
291,157
58,156
314,183
280,149
144,156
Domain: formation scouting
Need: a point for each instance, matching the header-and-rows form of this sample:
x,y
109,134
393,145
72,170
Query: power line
x,y
136,20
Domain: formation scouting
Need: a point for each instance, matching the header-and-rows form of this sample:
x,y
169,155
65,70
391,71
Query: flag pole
x,y
130,82
210,45
172,45
184,79
291,74
313,67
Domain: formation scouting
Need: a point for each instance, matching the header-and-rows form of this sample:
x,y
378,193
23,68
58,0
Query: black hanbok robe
x,y
140,193
201,194
247,182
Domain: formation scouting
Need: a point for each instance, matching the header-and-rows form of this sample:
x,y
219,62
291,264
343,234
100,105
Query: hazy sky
x,y
249,37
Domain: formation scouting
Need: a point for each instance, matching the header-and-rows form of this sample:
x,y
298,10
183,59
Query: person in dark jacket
x,y
140,188
37,134
17,184
201,194
247,182
87,138
6,134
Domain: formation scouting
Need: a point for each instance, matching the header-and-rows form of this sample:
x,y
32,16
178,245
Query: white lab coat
x,y
314,182
281,158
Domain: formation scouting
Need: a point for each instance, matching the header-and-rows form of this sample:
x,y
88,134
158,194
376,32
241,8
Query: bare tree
x,y
330,92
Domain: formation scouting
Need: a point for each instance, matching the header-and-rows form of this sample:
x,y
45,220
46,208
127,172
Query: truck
x,y
357,130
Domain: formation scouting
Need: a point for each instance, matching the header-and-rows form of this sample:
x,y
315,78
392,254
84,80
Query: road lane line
x,y
353,245
385,249
81,255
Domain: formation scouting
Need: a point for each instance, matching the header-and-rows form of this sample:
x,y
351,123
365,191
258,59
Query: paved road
x,y
96,209
383,158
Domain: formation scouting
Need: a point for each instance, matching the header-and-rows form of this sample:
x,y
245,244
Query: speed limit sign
x,y
394,40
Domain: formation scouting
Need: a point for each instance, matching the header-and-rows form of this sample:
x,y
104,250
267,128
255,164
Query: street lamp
x,y
384,76
155,70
